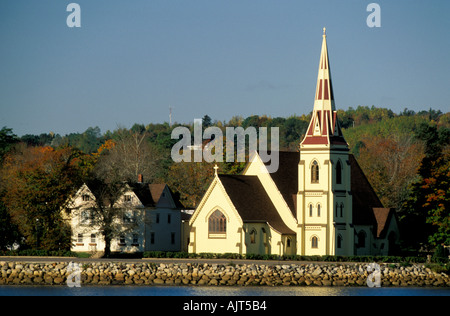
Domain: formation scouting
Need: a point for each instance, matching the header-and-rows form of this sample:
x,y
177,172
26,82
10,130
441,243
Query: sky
x,y
131,60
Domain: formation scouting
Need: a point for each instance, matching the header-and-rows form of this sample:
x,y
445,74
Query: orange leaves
x,y
391,164
109,144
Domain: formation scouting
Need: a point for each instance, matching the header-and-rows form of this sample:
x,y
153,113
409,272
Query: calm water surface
x,y
216,291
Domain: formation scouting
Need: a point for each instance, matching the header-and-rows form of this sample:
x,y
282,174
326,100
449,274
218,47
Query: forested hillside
x,y
405,157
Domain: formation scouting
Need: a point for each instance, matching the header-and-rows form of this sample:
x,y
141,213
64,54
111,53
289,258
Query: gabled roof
x,y
286,178
367,207
252,202
148,194
363,196
383,216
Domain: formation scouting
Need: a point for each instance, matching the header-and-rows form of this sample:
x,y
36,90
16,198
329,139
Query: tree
x,y
107,210
206,121
9,232
7,140
437,188
191,179
37,183
391,165
132,154
425,214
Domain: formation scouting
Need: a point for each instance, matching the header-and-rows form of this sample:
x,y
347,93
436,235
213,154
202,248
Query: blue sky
x,y
133,59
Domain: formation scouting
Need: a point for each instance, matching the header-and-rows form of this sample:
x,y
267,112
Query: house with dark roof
x,y
147,217
318,202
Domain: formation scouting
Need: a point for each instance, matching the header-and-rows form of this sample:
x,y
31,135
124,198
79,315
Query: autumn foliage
x,y
37,182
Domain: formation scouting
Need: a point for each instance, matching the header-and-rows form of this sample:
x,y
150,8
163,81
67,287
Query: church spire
x,y
324,129
324,99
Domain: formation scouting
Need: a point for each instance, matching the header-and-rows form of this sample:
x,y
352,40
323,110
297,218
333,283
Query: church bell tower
x,y
324,201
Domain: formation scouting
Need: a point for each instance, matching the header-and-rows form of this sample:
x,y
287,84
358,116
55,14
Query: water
x,y
192,291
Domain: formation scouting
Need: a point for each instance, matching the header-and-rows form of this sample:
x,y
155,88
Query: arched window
x,y
361,239
315,172
217,223
310,210
314,242
339,241
318,210
342,209
288,242
253,236
338,172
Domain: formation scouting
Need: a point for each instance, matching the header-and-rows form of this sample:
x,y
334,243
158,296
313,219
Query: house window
x,y
152,238
128,217
169,217
122,240
80,238
86,198
217,223
86,217
338,172
135,239
314,242
172,238
93,239
315,172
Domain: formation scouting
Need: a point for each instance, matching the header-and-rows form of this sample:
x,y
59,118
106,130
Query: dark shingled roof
x,y
149,194
367,207
286,178
252,202
363,195
383,217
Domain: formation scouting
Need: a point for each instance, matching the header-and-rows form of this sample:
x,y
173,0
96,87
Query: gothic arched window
x,y
253,236
339,241
314,242
217,223
338,172
315,172
361,239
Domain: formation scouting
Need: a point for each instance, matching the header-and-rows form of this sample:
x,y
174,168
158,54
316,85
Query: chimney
x,y
140,178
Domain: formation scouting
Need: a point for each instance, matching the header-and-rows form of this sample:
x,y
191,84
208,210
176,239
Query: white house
x,y
150,218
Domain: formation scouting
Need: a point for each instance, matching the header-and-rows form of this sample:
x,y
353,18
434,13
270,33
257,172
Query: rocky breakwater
x,y
148,273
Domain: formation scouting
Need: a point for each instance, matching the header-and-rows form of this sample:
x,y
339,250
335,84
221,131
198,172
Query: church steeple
x,y
324,127
324,99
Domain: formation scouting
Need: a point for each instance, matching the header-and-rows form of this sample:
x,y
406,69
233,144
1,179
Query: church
x,y
318,202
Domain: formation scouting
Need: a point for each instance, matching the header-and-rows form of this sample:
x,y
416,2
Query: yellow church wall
x,y
318,232
200,238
